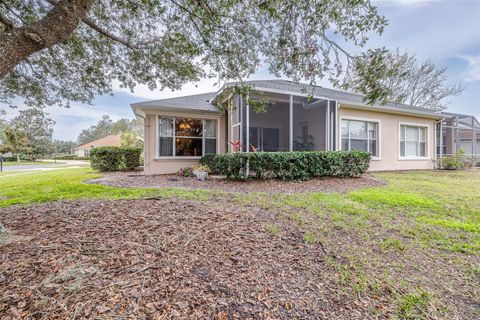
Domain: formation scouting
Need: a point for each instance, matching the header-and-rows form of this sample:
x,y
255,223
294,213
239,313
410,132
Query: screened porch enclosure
x,y
289,123
459,132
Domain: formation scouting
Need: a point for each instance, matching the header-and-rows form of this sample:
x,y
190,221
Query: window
x,y
360,135
413,141
186,137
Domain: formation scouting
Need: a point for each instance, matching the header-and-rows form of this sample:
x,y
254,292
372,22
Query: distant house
x,y
84,149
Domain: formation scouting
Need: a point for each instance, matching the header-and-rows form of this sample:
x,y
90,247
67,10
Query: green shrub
x,y
185,172
131,157
296,165
67,157
209,161
453,162
9,159
115,158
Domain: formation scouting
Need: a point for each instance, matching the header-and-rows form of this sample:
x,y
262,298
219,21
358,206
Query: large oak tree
x,y
58,51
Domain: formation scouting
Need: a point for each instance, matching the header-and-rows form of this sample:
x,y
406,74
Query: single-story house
x,y
178,131
112,140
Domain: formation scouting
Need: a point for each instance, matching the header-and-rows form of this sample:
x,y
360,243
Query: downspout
x,y
145,130
290,124
228,115
327,116
337,122
440,153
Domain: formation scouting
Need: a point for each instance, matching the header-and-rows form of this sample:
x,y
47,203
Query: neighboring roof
x,y
343,97
110,140
197,102
202,102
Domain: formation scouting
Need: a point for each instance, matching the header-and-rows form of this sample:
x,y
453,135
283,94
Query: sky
x,y
445,31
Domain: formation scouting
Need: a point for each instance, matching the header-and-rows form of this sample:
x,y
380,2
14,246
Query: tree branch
x,y
107,34
55,27
6,21
89,22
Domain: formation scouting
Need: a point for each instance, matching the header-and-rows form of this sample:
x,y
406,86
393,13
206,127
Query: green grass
x,y
436,209
24,163
392,244
272,229
413,306
44,186
6,173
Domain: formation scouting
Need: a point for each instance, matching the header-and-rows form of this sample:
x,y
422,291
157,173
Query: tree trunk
x,y
18,158
55,27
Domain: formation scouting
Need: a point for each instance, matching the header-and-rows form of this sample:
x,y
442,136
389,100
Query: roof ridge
x,y
343,92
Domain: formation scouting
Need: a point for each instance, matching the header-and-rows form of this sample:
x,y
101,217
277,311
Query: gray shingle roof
x,y
332,94
200,102
197,102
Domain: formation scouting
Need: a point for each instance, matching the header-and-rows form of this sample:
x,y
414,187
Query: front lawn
x,y
26,163
42,186
407,250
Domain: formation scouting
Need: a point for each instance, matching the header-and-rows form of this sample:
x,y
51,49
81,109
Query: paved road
x,y
40,166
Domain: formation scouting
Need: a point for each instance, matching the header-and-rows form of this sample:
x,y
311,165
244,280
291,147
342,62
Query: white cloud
x,y
472,70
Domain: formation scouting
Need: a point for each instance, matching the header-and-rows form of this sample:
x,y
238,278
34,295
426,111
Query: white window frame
x,y
427,140
377,121
175,116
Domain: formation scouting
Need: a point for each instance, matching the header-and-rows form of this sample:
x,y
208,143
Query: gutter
x,y
441,141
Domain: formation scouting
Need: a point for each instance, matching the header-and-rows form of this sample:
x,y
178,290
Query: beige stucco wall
x,y
153,165
389,143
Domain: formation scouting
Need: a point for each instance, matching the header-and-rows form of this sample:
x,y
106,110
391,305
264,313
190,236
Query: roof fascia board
x,y
145,109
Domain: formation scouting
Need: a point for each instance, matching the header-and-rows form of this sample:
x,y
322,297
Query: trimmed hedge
x,y
9,159
67,157
115,158
209,161
296,165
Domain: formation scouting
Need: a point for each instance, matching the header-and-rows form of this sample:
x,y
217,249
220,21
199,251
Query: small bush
x,y
209,161
202,167
115,158
185,172
296,165
131,157
453,162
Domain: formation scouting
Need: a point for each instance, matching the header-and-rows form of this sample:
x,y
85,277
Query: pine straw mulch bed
x,y
164,259
328,184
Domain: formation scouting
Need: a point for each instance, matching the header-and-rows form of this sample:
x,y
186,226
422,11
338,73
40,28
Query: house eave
x,y
389,109
141,111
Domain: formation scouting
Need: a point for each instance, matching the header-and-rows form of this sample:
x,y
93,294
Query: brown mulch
x,y
164,259
330,184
